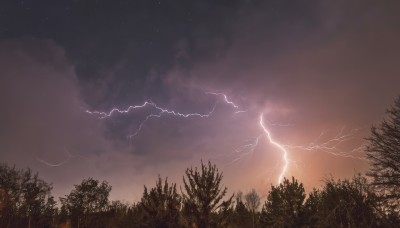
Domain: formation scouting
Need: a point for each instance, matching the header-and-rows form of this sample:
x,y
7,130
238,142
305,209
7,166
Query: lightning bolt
x,y
149,103
161,111
142,123
279,146
251,144
227,101
245,149
330,146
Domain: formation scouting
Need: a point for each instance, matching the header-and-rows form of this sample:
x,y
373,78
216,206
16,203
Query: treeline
x,y
202,201
26,201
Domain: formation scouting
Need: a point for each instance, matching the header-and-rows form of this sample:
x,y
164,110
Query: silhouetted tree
x,y
117,214
252,202
38,205
86,203
162,205
241,216
25,199
311,208
347,203
135,217
203,196
284,205
11,190
383,152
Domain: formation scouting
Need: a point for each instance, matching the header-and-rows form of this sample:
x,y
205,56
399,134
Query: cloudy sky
x,y
319,73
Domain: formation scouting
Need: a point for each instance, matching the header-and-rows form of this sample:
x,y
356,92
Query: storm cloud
x,y
310,67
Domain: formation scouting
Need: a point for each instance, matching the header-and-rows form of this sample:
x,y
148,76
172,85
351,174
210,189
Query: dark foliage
x,y
161,205
284,205
241,216
347,203
252,202
202,200
86,204
383,152
25,199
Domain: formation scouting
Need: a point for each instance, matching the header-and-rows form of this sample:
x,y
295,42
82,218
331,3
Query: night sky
x,y
320,73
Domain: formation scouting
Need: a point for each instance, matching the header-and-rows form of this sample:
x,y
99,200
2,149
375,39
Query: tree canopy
x,y
25,199
86,202
252,202
161,205
203,195
383,152
343,203
284,204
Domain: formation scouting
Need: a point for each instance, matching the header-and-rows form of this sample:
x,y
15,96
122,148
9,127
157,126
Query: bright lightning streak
x,y
330,146
282,148
108,114
162,111
142,123
246,149
145,104
225,98
227,101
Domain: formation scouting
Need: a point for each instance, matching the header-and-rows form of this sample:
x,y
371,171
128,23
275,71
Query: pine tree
x,y
284,205
162,205
204,195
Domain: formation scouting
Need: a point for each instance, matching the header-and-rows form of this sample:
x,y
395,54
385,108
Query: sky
x,y
277,88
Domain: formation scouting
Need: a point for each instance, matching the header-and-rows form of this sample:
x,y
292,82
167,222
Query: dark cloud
x,y
316,65
342,51
42,118
321,67
45,126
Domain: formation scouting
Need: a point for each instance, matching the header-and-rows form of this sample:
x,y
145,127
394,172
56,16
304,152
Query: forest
x,y
366,200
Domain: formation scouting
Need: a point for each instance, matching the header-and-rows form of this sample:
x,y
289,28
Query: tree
x,y
162,205
284,205
242,217
38,205
26,199
117,214
252,202
10,186
383,152
135,216
204,195
87,202
311,208
347,203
